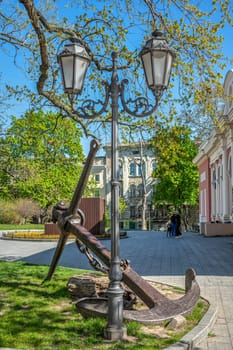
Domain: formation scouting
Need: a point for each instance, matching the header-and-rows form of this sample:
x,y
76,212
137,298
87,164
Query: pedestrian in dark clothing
x,y
178,225
173,225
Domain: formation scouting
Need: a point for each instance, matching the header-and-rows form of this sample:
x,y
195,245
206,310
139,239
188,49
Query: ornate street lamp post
x,y
157,59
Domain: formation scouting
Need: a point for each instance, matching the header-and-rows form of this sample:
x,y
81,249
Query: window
x,y
153,166
132,191
120,190
141,169
132,169
137,169
219,174
229,167
140,211
140,190
132,212
214,179
120,170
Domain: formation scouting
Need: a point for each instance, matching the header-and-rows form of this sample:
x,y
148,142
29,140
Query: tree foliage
x,y
41,158
32,32
176,175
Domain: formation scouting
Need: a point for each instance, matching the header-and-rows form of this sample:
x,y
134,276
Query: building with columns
x,y
215,163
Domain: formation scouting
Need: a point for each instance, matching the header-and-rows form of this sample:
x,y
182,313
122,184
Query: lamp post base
x,y
115,329
114,334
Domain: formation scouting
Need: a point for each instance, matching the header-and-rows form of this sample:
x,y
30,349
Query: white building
x,y
136,164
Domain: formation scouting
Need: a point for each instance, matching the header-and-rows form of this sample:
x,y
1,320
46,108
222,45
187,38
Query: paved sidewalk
x,y
163,259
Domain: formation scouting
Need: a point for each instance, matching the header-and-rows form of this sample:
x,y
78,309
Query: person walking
x,y
178,225
173,225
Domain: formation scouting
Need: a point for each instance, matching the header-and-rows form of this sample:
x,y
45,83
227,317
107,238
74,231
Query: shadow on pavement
x,y
152,253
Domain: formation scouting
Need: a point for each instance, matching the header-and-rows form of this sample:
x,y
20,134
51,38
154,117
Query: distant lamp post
x,y
157,60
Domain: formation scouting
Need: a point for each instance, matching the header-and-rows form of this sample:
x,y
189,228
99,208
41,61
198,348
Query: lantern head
x,y
157,59
74,61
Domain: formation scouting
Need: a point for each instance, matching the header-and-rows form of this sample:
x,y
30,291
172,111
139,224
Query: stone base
x,y
113,334
213,229
87,285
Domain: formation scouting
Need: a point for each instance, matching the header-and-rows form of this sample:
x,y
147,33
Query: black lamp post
x,y
157,60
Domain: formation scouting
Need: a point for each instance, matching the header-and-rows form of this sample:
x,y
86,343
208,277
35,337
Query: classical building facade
x,y
136,164
215,163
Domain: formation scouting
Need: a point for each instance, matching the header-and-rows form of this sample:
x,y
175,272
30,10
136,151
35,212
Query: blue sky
x,y
12,75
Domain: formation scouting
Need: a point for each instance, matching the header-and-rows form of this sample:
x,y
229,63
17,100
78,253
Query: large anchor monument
x,y
157,58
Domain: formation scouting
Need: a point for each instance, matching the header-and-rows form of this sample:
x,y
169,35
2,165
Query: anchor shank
x,y
61,212
74,204
144,290
90,241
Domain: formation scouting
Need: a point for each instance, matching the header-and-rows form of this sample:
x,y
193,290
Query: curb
x,y
198,333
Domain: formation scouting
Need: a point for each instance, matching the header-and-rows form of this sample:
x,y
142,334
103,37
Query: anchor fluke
x,y
163,309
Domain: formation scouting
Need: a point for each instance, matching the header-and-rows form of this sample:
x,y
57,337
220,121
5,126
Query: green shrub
x,y
18,212
8,215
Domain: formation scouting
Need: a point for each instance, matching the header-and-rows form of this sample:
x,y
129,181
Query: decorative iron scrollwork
x,y
88,109
139,107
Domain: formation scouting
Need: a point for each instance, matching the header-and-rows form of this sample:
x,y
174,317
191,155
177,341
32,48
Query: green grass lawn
x,y
42,316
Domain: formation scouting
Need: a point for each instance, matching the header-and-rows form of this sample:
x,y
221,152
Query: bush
x,y
18,211
27,208
8,215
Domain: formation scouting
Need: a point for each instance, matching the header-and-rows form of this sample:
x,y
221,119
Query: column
x,y
213,192
225,200
218,188
231,174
